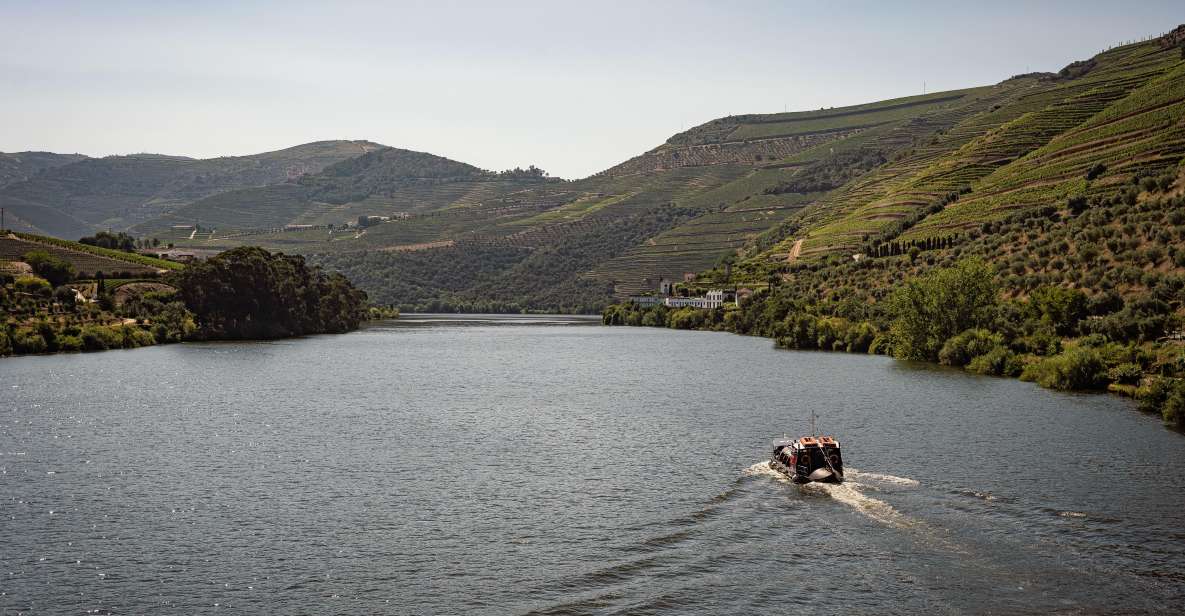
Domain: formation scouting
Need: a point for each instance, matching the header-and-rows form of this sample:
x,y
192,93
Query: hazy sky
x,y
571,87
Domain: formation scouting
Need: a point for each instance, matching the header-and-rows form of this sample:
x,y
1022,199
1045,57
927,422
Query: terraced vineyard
x,y
1140,134
87,260
1003,156
697,244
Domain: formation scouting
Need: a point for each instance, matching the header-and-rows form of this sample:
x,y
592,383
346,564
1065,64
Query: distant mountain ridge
x,y
79,197
383,181
19,166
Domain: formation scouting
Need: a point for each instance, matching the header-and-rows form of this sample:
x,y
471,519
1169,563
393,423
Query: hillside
x,y
19,166
1043,239
726,191
118,192
382,182
771,193
1123,113
87,260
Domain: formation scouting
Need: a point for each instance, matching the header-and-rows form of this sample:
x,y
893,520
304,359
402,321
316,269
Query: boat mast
x,y
813,431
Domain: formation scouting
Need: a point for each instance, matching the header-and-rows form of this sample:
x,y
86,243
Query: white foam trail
x,y
847,493
901,481
763,469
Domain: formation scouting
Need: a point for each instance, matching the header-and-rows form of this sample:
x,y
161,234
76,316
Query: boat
x,y
808,458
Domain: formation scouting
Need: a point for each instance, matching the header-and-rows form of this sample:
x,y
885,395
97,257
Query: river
x,y
548,465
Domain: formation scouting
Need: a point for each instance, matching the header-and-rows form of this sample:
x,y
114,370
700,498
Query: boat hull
x,y
813,477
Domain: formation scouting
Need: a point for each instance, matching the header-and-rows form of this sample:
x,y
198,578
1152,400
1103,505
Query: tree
x,y
33,286
115,241
931,309
1062,308
64,296
249,292
56,271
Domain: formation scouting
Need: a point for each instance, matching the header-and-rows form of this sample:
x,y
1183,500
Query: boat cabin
x,y
809,458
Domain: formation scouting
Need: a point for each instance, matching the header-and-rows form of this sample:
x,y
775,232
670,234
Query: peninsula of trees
x,y
48,305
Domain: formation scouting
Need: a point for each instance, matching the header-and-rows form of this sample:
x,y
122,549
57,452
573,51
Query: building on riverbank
x,y
646,300
715,298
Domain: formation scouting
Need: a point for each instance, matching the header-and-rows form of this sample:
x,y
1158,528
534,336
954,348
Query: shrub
x,y
1165,397
1173,411
100,338
1126,373
997,362
28,340
34,286
1130,195
685,318
654,318
56,271
1041,342
69,343
134,337
961,349
5,344
65,296
881,345
1062,308
1076,368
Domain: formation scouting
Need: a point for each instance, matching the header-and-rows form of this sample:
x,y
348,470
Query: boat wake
x,y
881,478
849,492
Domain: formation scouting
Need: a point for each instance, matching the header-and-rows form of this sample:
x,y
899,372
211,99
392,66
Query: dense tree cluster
x,y
54,270
831,172
242,293
530,173
249,292
115,241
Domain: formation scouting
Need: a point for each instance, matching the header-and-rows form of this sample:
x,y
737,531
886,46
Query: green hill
x,y
771,193
382,182
118,192
19,166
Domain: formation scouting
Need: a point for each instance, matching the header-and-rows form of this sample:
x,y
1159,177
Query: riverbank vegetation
x,y
243,293
1083,297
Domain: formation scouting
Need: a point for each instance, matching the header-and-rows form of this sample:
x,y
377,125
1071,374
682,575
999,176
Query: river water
x,y
499,465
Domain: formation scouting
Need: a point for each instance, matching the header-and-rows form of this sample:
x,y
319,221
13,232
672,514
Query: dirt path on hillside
x,y
793,256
